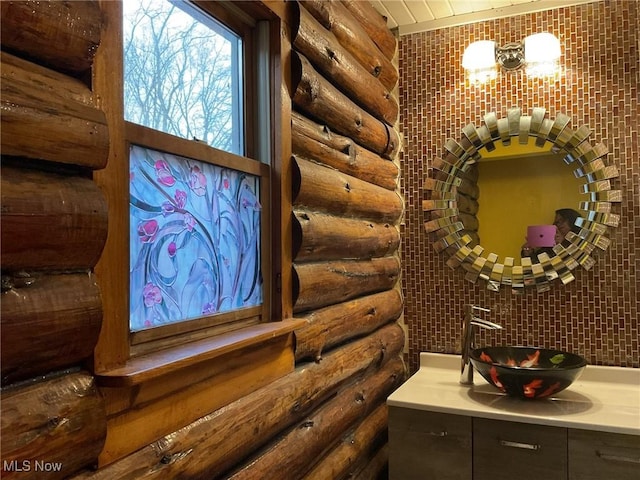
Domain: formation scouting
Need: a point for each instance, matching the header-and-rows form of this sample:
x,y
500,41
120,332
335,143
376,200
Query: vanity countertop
x,y
603,399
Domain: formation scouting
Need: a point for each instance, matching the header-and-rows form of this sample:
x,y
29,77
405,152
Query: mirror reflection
x,y
521,187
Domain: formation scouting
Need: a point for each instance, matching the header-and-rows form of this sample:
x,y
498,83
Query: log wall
x,y
325,419
54,226
346,216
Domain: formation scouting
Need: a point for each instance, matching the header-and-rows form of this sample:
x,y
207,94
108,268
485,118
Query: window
x,y
159,175
194,239
197,190
182,73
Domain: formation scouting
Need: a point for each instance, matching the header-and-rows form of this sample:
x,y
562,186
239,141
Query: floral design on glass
x,y
194,239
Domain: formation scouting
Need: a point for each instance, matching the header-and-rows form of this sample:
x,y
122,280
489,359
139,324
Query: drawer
x,y
428,445
508,450
602,455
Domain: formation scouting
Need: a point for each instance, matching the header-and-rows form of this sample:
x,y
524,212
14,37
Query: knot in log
x,y
170,458
17,280
331,54
56,422
383,353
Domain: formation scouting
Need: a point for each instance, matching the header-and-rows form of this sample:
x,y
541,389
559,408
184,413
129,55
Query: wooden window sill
x,y
151,366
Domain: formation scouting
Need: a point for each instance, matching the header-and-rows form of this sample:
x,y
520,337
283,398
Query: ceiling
x,y
411,16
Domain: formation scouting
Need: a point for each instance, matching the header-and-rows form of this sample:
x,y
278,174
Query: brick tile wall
x,y
598,314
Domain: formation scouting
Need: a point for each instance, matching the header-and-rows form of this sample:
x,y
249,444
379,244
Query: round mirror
x,y
568,195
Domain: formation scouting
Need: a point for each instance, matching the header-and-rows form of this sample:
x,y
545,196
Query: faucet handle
x,y
485,324
482,309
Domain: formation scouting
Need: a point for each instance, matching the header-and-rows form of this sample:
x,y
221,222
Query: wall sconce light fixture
x,y
538,53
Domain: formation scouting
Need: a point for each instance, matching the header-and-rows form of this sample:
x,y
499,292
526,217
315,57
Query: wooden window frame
x,y
114,363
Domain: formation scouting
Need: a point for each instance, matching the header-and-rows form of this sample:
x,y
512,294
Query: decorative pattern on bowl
x,y
527,372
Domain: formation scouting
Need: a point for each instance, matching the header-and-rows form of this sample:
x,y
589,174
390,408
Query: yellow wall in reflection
x,y
521,191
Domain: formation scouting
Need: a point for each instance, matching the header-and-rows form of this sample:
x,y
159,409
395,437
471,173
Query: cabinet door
x,y
601,455
428,445
508,450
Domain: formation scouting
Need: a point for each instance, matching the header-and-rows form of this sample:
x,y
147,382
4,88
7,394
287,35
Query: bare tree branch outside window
x,y
182,75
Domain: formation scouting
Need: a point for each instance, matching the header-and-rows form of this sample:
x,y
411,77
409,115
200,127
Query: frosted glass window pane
x,y
194,239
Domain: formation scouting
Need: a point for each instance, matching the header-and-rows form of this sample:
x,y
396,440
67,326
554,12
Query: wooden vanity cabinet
x,y
428,445
603,456
507,450
440,446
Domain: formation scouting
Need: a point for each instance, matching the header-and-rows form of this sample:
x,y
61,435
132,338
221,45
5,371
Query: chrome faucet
x,y
468,343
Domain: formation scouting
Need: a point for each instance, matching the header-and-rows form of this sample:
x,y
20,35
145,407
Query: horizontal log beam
x,y
48,322
374,24
42,82
333,420
318,236
323,189
152,411
316,96
213,444
59,421
378,466
334,16
470,189
336,324
356,449
470,222
324,51
50,221
61,35
319,143
318,285
47,116
467,204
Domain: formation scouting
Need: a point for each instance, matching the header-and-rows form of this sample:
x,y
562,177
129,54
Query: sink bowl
x,y
527,372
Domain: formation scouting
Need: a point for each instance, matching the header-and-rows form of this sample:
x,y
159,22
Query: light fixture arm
x,y
510,56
